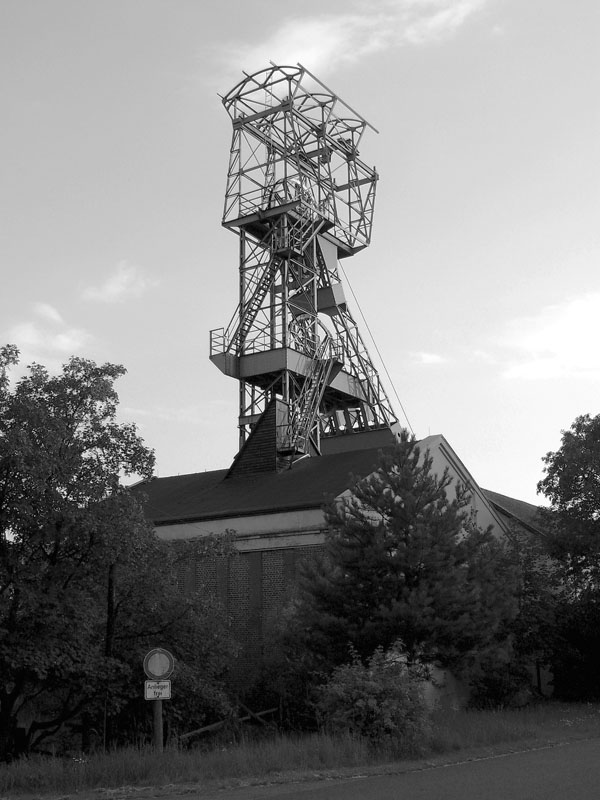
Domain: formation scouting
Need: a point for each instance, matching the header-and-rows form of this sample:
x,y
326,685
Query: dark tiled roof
x,y
206,495
525,513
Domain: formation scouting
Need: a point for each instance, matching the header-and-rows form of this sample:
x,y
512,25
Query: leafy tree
x,y
572,485
85,585
145,608
405,561
572,482
506,677
61,457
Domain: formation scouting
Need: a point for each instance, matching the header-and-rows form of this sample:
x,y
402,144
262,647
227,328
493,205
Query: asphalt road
x,y
569,771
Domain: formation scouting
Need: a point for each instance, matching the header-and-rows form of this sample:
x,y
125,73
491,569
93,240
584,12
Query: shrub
x,y
502,685
381,701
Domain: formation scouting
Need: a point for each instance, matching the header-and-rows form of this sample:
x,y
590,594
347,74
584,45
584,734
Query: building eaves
x,y
525,514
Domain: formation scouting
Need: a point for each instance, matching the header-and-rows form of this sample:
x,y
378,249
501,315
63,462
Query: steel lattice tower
x,y
299,197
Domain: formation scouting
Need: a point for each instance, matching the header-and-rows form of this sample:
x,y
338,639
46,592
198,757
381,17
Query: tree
x,y
572,482
404,561
509,680
572,485
63,516
85,585
150,610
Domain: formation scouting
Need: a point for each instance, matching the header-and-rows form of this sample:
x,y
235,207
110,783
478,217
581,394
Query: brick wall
x,y
253,588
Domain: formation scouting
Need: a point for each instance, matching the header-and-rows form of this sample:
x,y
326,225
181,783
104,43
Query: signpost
x,y
158,666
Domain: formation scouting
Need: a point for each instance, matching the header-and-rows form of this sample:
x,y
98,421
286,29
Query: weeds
x,y
273,758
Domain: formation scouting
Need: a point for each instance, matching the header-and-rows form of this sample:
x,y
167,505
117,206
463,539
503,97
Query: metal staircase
x,y
304,414
241,323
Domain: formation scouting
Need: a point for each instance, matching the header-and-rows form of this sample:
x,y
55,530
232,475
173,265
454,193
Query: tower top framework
x,y
301,144
299,197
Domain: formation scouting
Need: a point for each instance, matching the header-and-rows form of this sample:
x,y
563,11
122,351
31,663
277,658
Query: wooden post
x,y
158,724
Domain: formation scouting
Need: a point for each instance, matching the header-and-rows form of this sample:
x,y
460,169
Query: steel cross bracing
x,y
299,197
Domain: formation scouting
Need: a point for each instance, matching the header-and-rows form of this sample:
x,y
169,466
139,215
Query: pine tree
x,y
406,561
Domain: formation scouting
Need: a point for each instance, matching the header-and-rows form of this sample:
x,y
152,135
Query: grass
x,y
294,757
544,723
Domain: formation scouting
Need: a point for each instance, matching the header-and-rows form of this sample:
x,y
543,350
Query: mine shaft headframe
x,y
296,142
299,197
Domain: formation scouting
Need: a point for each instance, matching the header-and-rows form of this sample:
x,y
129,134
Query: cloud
x,y
331,40
48,312
559,342
47,339
428,358
190,416
126,282
482,356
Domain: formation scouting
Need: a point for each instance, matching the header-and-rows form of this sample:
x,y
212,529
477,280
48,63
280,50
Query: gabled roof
x,y
309,484
526,514
207,495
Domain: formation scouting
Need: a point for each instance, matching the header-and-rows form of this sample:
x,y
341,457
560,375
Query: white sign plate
x,y
157,690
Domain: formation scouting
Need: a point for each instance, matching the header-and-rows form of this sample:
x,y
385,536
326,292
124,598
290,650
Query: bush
x,y
503,685
381,701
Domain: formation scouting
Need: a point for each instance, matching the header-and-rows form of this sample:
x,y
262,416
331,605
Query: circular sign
x,y
158,664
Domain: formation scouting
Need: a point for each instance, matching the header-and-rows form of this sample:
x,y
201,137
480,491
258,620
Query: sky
x,y
481,286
